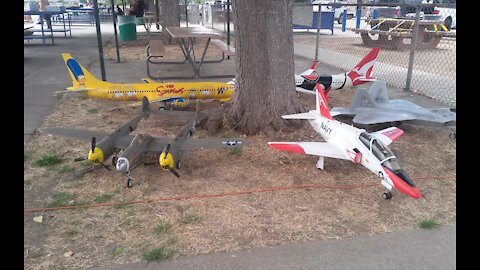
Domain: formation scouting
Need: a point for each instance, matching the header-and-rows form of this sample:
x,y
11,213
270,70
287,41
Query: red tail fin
x,y
364,68
322,106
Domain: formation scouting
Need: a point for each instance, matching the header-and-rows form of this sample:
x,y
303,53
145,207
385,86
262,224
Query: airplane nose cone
x,y
402,184
122,165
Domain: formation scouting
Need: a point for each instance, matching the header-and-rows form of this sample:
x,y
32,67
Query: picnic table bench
x,y
224,47
185,37
392,33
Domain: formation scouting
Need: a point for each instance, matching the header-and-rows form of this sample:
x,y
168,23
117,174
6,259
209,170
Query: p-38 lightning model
x,y
130,150
348,142
360,74
176,94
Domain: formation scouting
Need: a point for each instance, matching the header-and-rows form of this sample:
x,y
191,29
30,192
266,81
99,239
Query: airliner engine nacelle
x,y
180,102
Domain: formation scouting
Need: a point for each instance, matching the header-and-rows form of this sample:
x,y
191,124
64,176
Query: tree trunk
x,y
170,17
264,87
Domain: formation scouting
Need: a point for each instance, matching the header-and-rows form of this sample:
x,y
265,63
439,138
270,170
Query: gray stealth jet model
x,y
374,107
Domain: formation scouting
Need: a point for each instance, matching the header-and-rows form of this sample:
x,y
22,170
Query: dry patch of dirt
x,y
123,233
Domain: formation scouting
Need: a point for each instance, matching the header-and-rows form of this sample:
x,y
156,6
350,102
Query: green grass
x,y
61,199
189,218
35,254
118,250
77,222
158,254
237,151
26,182
172,240
103,198
162,228
48,160
71,232
92,110
227,133
67,169
428,224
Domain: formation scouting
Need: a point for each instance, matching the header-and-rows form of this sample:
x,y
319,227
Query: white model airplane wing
x,y
299,89
304,116
323,149
310,70
388,135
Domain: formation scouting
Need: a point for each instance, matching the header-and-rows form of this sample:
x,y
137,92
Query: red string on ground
x,y
201,196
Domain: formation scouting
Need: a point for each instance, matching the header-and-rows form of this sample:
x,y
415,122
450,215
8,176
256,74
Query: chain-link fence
x,y
418,49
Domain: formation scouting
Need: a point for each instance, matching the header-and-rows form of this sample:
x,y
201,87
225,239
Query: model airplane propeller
x,y
129,151
350,143
165,163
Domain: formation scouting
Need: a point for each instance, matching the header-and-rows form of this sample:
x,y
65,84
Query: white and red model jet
x,y
360,74
344,141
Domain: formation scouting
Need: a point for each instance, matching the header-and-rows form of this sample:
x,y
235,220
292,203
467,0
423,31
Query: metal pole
x,y
413,48
157,14
186,12
319,27
99,38
115,30
359,17
228,24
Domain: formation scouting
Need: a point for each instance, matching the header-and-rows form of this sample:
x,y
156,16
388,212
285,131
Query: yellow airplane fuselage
x,y
156,91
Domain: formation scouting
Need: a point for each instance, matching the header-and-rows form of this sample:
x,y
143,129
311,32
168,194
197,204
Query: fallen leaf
x,y
38,219
68,254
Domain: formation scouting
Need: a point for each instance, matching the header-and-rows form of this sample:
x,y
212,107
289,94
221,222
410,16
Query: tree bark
x,y
264,87
170,17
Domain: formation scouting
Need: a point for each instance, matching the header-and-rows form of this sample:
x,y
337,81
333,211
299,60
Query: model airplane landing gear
x,y
163,105
114,161
129,182
387,195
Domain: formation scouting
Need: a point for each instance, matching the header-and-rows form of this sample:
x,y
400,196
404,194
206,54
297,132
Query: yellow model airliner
x,y
176,94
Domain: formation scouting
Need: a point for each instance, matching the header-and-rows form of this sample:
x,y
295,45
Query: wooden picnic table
x,y
186,38
392,33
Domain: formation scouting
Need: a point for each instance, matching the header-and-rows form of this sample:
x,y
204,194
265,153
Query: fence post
x,y
412,49
375,13
228,24
186,12
319,27
344,20
114,15
99,39
359,16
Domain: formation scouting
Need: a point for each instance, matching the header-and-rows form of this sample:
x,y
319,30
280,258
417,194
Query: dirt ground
x,y
125,233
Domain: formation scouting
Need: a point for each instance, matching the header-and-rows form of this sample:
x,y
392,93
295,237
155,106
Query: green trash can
x,y
127,28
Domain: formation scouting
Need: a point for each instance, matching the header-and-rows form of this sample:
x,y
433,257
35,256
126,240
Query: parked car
x,y
336,6
447,15
400,11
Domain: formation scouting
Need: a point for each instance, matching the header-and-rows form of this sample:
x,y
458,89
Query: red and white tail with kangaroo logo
x,y
362,72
